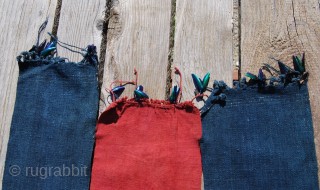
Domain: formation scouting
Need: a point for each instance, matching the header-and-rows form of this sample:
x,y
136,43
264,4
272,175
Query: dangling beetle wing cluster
x,y
49,47
252,76
197,82
138,93
260,79
140,88
260,75
44,48
287,72
174,94
283,67
117,91
201,85
299,66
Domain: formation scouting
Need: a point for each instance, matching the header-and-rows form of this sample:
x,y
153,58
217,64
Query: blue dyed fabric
x,y
259,140
53,125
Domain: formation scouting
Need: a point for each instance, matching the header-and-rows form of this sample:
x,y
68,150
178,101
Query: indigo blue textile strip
x,y
259,140
53,125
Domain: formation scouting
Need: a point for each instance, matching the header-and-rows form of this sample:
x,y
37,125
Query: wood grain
x,y
138,37
203,43
80,25
19,24
281,29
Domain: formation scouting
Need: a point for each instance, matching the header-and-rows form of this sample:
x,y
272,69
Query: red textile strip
x,y
151,146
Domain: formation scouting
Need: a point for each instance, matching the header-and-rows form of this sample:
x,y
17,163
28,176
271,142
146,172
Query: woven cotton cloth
x,y
147,145
259,140
52,131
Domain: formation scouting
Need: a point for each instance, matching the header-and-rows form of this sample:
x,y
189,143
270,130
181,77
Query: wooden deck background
x,y
155,36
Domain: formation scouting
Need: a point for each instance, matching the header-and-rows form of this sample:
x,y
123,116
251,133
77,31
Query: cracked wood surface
x,y
80,25
281,29
138,37
20,21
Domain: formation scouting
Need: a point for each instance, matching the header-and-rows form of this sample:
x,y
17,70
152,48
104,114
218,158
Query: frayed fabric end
x,y
143,102
220,89
145,140
33,59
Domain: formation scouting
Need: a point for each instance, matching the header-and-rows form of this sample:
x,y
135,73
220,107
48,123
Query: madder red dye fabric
x,y
153,145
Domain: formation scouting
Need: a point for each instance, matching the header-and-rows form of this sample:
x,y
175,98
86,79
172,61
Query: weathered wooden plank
x,y
236,34
20,20
281,29
138,37
203,43
80,25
